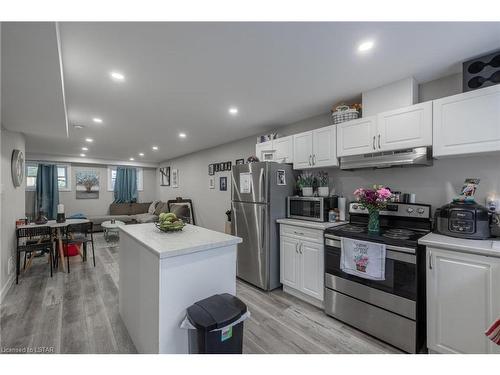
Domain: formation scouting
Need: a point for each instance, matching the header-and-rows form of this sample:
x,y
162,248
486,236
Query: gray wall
x,y
13,201
94,207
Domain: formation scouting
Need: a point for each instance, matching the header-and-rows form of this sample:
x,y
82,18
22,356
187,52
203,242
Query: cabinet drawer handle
x,y
379,141
299,233
374,143
296,247
300,248
310,159
430,259
314,159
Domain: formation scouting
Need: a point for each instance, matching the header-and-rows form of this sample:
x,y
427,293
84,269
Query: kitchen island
x,y
161,274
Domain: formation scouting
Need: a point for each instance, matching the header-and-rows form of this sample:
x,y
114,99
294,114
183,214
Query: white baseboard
x,y
303,296
7,286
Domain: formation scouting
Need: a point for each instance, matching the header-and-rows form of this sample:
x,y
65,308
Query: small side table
x,y
111,230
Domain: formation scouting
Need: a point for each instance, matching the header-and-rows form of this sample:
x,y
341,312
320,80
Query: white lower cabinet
x,y
302,264
463,299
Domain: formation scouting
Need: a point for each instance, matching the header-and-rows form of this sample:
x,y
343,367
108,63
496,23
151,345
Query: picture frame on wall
x,y
222,183
175,178
87,184
228,165
222,167
211,170
211,182
240,161
165,176
217,167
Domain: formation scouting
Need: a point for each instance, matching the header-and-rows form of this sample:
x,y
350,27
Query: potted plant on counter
x,y
305,182
373,200
323,189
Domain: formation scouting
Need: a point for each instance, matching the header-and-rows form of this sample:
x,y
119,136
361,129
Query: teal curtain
x,y
47,190
126,185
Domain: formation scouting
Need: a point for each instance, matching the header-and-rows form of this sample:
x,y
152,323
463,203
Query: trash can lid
x,y
216,312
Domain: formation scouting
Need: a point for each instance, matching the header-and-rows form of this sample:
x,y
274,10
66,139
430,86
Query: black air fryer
x,y
463,220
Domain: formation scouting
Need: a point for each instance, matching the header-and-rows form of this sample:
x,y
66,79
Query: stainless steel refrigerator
x,y
259,192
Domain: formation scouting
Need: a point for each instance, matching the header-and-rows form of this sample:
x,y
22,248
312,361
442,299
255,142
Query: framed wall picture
x,y
280,176
211,170
87,184
222,167
240,161
228,165
211,182
165,176
216,167
175,178
222,183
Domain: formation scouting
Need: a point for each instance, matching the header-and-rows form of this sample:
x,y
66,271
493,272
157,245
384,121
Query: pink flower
x,y
384,193
359,192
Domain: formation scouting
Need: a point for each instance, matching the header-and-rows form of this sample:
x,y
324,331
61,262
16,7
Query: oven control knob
x,y
355,206
409,210
420,210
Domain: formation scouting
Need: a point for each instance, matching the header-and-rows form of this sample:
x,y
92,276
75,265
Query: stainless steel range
x,y
392,309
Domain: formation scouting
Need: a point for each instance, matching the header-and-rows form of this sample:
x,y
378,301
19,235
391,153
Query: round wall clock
x,y
17,167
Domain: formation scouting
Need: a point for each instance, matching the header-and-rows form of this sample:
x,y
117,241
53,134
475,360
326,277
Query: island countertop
x,y
191,239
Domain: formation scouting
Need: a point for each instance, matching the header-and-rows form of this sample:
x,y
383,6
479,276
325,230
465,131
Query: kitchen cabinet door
x,y
324,147
302,150
405,127
265,151
284,149
357,137
289,258
467,123
463,299
312,271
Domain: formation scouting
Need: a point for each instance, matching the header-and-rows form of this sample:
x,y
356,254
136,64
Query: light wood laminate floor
x,y
78,313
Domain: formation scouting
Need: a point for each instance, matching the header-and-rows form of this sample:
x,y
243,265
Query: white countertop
x,y
191,239
490,247
310,224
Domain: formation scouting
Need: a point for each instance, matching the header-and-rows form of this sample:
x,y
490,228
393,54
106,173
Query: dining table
x,y
57,227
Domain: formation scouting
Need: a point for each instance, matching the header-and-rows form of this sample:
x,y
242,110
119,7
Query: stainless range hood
x,y
421,156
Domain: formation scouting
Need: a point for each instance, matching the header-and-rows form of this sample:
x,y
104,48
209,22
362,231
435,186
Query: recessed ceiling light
x,y
141,153
89,140
131,159
117,76
233,111
97,120
82,155
155,148
366,46
78,126
85,149
182,135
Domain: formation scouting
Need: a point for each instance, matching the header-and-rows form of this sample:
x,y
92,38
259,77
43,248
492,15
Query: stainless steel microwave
x,y
310,208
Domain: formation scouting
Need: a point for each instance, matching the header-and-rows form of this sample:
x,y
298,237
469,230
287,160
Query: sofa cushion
x,y
152,207
139,208
146,218
161,207
128,208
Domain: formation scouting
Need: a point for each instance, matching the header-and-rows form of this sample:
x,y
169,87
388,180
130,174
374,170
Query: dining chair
x,y
31,240
80,234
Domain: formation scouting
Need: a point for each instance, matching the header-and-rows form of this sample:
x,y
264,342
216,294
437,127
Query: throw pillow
x,y
161,207
152,207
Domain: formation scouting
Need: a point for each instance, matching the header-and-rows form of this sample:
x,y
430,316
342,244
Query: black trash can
x,y
214,319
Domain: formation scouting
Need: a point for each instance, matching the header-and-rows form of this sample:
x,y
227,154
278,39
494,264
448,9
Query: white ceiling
x,y
185,76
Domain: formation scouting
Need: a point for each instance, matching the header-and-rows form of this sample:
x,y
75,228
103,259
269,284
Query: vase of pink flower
x,y
373,200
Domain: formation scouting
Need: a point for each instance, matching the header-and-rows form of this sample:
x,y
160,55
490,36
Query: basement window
x,y
63,176
112,178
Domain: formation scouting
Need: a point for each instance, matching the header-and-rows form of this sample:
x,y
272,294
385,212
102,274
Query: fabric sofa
x,y
129,213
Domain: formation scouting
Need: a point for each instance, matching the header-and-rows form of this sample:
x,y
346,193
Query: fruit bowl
x,y
172,229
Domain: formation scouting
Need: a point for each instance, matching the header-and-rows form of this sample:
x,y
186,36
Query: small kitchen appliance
x,y
463,219
311,208
393,309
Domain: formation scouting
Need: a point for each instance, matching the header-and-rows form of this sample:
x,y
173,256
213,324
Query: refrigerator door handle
x,y
262,187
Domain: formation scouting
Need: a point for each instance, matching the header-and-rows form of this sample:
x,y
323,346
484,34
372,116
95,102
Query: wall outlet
x,y
10,265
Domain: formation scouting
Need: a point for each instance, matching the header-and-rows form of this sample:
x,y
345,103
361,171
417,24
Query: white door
x,y
302,150
312,269
289,257
284,149
264,150
324,147
357,137
405,127
467,123
463,299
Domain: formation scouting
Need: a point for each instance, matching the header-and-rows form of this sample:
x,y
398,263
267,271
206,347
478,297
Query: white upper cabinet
x,y
324,147
463,300
407,127
265,151
302,150
357,136
467,123
314,149
284,149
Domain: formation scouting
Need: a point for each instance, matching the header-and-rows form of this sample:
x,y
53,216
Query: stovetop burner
x,y
398,234
352,228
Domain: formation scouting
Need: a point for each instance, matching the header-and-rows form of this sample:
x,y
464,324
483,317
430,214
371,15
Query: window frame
x,y
59,165
140,178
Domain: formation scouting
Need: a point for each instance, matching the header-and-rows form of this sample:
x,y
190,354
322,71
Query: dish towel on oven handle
x,y
493,332
363,259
